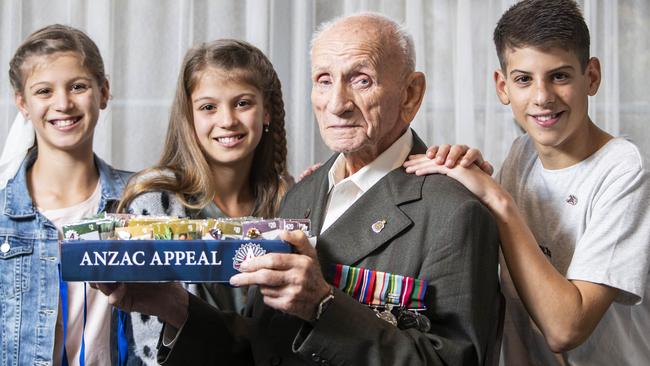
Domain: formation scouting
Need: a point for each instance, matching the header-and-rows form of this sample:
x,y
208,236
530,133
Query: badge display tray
x,y
160,260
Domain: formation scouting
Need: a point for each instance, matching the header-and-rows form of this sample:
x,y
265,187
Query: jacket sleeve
x,y
209,337
462,299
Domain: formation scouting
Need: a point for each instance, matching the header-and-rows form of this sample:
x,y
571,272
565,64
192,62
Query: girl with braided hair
x,y
224,156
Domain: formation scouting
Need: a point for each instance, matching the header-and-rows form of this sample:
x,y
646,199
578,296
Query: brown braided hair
x,y
192,178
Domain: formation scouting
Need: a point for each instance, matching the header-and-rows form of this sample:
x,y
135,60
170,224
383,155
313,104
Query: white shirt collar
x,y
366,177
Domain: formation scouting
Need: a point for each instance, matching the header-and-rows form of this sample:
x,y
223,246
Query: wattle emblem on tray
x,y
246,251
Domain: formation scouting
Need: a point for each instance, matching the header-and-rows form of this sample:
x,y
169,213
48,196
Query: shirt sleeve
x,y
614,247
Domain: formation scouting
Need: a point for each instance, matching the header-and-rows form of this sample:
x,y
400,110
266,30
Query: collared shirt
x,y
343,192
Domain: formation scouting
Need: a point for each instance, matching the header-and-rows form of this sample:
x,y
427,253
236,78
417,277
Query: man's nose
x,y
340,101
544,94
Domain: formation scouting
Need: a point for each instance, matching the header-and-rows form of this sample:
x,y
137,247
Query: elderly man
x,y
373,221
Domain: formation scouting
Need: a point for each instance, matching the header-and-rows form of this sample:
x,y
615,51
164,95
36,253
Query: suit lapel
x,y
351,237
315,211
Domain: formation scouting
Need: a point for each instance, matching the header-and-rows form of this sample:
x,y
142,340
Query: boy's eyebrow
x,y
548,72
561,68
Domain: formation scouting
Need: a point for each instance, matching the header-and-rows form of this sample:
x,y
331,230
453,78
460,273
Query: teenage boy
x,y
572,204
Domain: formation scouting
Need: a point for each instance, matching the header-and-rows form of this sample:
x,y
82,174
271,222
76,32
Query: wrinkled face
x,y
228,118
62,99
548,92
356,91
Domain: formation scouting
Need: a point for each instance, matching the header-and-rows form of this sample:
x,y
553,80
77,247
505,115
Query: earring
x,y
266,128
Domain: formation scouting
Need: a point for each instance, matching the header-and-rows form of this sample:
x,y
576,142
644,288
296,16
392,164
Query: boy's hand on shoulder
x,y
449,156
473,178
309,171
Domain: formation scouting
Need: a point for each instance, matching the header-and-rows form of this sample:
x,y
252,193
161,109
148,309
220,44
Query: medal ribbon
x,y
380,288
63,291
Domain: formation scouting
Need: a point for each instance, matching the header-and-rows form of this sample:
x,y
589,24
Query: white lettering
x,y
155,261
214,258
179,257
126,261
168,257
190,259
203,259
135,258
85,261
113,258
100,258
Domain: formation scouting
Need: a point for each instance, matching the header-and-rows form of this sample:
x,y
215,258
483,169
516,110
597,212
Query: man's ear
x,y
593,75
500,85
412,96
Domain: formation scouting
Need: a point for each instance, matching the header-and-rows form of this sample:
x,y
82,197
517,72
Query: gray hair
x,y
397,31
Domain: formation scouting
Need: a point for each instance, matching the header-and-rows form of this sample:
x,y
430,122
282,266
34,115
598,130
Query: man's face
x,y
357,87
548,92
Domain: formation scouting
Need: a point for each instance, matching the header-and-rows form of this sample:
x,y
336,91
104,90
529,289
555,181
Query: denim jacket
x,y
29,258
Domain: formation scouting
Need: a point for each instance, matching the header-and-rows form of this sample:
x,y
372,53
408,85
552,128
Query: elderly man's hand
x,y
292,283
168,301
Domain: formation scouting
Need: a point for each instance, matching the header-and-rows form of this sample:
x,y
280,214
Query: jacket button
x,y
276,360
315,357
5,247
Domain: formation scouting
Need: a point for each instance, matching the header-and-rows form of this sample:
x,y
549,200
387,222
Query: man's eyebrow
x,y
353,67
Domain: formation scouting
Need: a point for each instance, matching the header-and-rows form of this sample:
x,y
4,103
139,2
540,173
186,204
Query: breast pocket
x,y
15,264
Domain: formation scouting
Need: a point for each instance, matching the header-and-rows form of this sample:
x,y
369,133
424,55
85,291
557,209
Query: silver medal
x,y
386,315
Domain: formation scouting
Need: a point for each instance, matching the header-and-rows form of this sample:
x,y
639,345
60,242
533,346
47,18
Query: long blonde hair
x,y
192,179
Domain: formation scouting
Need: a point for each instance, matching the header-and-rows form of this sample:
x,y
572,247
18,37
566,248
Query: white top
x,y
343,192
98,320
592,222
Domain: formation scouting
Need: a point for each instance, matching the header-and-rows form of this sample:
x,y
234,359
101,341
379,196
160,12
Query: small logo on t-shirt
x,y
572,200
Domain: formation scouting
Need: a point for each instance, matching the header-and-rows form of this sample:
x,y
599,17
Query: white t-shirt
x,y
98,320
592,222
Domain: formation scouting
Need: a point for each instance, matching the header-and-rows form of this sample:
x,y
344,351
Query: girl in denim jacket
x,y
58,78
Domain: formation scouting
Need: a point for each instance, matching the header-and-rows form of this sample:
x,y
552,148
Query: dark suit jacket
x,y
435,230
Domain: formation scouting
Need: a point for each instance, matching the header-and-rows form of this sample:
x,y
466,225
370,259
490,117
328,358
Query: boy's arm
x,y
566,311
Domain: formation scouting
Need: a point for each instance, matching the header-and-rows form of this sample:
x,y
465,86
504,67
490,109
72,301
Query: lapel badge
x,y
378,226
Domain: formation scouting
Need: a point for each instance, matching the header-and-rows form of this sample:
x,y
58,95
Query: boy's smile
x,y
548,92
